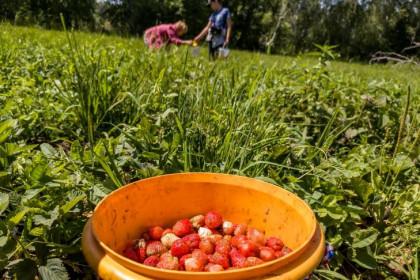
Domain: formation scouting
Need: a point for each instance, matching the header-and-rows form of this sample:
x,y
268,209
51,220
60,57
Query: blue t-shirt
x,y
219,19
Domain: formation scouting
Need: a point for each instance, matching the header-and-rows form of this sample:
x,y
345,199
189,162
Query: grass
x,y
83,115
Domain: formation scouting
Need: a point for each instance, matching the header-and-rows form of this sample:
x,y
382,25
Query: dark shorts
x,y
213,52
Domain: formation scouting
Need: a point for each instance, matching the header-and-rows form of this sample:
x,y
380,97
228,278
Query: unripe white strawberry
x,y
228,228
168,239
197,221
204,232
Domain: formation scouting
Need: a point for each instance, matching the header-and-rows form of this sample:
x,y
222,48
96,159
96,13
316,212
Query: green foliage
x,y
82,115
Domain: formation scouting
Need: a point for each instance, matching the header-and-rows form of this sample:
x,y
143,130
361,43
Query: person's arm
x,y
203,32
174,38
229,28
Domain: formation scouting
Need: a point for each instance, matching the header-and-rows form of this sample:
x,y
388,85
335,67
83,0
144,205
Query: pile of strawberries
x,y
205,243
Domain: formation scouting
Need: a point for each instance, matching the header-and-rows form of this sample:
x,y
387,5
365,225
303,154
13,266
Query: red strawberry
x,y
240,229
228,228
209,258
197,221
213,220
182,261
155,232
222,247
192,241
156,248
169,262
207,246
255,235
221,259
193,264
141,254
248,248
278,254
237,240
182,228
267,254
200,256
131,254
237,259
213,267
253,261
179,248
151,261
274,243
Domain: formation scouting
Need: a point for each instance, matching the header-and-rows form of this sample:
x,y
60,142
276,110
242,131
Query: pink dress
x,y
159,35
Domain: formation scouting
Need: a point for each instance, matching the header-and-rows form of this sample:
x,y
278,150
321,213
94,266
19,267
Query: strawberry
x,y
221,259
248,248
141,254
253,261
193,264
182,261
146,236
213,268
213,219
240,229
228,228
197,221
192,241
168,239
286,250
237,259
204,232
166,231
222,247
179,248
131,254
278,254
200,256
151,261
206,246
215,237
267,254
274,243
169,262
255,235
182,228
155,232
156,248
237,240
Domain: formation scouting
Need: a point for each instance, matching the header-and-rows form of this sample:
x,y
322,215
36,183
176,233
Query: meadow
x,y
84,114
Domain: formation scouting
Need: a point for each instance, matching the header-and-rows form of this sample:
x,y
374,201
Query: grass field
x,y
83,114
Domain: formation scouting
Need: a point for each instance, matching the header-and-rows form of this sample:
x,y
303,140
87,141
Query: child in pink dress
x,y
165,34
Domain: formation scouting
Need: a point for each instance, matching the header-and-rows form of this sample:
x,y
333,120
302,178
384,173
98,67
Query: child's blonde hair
x,y
181,26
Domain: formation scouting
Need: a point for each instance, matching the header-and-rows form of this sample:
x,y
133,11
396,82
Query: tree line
x,y
358,27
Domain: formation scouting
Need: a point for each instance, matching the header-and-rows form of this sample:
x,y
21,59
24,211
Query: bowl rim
x,y
148,270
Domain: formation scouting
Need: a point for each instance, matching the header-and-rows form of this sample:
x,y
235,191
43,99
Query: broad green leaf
x,y
4,202
66,207
363,238
6,129
362,258
24,269
37,231
48,150
15,219
329,274
53,270
47,219
3,234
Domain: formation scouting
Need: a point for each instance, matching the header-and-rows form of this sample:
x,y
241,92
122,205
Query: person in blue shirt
x,y
218,28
